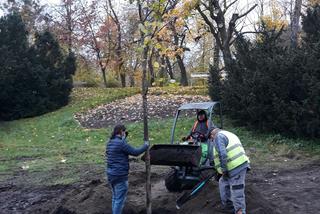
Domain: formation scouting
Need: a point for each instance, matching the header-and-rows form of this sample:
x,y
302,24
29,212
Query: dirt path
x,y
285,190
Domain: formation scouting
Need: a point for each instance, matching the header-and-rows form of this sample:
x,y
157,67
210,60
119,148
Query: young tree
x,y
150,24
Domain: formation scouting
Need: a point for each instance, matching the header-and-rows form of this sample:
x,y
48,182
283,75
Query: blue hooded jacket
x,y
117,157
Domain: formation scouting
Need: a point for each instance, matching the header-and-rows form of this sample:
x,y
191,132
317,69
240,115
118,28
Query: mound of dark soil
x,y
287,190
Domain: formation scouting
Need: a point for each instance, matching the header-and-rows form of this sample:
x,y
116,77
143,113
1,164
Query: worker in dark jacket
x,y
231,161
200,127
117,153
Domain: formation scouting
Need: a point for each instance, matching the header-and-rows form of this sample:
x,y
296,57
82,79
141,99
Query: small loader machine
x,y
189,161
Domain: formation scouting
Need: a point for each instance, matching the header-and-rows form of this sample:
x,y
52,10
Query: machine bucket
x,y
175,155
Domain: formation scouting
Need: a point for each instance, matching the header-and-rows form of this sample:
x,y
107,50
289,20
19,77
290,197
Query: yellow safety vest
x,y
235,153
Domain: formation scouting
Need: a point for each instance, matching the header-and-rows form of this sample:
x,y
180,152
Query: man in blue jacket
x,y
117,154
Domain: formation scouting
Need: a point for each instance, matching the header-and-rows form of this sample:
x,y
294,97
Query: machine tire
x,y
172,182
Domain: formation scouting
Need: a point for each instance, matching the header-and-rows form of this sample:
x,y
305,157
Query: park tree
x,y
90,22
119,46
31,12
295,23
35,78
287,77
65,23
223,28
14,65
49,57
311,24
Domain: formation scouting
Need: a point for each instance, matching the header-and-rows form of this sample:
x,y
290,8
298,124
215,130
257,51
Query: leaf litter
x,y
130,110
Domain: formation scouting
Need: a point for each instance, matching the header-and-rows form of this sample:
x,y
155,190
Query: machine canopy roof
x,y
200,106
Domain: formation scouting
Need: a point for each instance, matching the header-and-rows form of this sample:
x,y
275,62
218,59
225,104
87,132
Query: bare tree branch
x,y
248,11
228,6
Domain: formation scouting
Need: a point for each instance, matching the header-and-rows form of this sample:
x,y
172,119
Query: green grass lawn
x,y
42,142
55,140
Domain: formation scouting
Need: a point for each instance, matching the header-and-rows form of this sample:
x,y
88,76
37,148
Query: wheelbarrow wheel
x,y
172,182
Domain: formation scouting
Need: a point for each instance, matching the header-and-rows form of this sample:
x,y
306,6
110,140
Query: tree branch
x,y
246,13
228,6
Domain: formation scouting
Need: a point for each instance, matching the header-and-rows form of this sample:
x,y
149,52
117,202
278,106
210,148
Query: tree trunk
x,y
295,23
145,106
103,71
131,80
150,66
169,68
131,77
216,56
227,58
119,46
162,70
184,78
123,79
145,128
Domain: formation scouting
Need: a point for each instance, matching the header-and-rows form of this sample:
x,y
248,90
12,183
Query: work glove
x,y
217,176
147,143
127,133
225,175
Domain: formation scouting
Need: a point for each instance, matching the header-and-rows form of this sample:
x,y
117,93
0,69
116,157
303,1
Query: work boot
x,y
225,208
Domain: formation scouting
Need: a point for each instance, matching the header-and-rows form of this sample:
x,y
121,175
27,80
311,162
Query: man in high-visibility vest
x,y
201,126
232,163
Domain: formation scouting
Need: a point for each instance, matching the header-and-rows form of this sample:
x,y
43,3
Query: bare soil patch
x,y
284,190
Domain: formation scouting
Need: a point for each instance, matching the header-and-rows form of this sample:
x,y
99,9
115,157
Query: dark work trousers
x,y
232,191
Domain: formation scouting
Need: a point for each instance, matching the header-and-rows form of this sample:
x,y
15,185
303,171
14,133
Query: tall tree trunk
x,y
184,78
131,80
131,77
68,9
103,71
216,56
150,66
102,68
123,79
169,68
162,70
227,58
295,20
119,46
